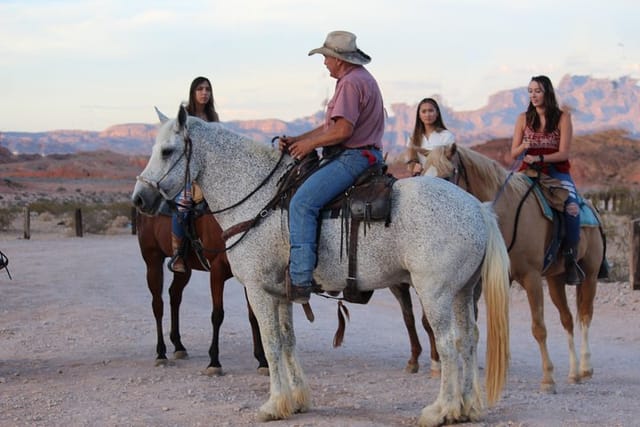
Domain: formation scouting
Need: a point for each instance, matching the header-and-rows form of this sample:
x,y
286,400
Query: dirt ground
x,y
78,347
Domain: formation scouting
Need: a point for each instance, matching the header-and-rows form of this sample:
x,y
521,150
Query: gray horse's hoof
x,y
264,417
263,371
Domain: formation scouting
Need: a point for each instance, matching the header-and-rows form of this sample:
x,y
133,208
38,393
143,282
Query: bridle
x,y
187,153
458,171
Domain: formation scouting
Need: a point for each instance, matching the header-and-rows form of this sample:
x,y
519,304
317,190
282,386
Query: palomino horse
x,y
441,240
487,179
154,237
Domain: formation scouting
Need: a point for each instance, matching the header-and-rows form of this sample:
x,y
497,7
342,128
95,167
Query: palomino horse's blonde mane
x,y
484,173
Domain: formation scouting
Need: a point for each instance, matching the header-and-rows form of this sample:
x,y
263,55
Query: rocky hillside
x,y
603,160
597,105
609,159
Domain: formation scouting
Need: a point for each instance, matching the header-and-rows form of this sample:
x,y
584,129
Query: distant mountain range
x,y
596,105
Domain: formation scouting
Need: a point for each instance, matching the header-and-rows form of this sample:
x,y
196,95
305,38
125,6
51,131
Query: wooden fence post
x,y
78,222
27,222
634,265
133,220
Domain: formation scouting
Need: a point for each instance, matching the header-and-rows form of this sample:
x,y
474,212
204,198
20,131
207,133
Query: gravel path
x,y
78,349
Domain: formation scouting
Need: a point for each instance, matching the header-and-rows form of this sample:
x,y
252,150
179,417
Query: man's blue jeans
x,y
304,209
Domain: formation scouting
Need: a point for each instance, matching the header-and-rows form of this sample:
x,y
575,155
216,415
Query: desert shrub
x,y
622,201
56,208
97,217
6,218
618,233
47,216
118,224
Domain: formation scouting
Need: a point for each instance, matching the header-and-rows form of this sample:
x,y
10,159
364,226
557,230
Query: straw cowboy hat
x,y
342,45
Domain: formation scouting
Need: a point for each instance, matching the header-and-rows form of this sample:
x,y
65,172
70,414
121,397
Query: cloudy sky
x,y
90,64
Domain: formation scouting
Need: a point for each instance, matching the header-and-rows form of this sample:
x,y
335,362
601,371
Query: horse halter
x,y
459,171
187,179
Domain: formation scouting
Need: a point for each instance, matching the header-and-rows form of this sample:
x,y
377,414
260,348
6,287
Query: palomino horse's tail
x,y
495,286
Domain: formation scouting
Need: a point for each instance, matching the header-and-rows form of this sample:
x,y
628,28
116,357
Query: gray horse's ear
x,y
182,116
161,116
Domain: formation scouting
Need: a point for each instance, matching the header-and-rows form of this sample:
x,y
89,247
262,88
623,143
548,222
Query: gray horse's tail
x,y
495,284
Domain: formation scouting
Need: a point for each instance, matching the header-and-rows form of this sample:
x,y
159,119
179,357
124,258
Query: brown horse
x,y
487,179
154,237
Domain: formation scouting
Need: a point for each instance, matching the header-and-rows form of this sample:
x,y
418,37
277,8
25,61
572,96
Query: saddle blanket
x,y
588,216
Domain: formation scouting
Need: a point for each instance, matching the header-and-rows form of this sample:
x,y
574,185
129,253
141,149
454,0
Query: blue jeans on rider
x,y
179,217
572,222
304,210
177,223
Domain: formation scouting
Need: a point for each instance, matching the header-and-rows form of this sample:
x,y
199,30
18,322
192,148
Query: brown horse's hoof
x,y
263,371
585,375
182,354
162,362
548,388
573,379
212,371
412,368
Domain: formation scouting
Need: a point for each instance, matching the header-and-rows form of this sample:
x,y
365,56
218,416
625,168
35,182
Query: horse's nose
x,y
137,201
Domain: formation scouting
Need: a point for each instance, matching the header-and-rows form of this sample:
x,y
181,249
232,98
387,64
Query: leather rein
x,y
244,226
459,171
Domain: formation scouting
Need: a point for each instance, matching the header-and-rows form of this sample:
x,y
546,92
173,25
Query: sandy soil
x,y
78,349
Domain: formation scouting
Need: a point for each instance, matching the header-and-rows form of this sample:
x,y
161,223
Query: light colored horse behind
x,y
441,240
485,178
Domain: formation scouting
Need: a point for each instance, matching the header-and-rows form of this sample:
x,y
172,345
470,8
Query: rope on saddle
x,y
4,263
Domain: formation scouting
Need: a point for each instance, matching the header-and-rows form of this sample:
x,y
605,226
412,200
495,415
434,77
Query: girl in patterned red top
x,y
542,138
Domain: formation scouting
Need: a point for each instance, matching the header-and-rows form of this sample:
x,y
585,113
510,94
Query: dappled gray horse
x,y
441,240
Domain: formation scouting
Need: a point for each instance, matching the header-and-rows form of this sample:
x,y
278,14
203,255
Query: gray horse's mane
x,y
218,133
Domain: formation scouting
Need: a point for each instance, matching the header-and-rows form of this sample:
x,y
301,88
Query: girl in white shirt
x,y
429,132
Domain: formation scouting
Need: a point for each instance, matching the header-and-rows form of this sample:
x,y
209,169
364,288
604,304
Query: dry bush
x,y
118,225
617,229
7,217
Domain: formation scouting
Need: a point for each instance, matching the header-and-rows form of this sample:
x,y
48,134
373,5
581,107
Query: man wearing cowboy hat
x,y
351,135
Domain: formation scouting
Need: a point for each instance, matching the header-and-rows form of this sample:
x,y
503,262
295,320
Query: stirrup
x,y
171,264
198,250
575,274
